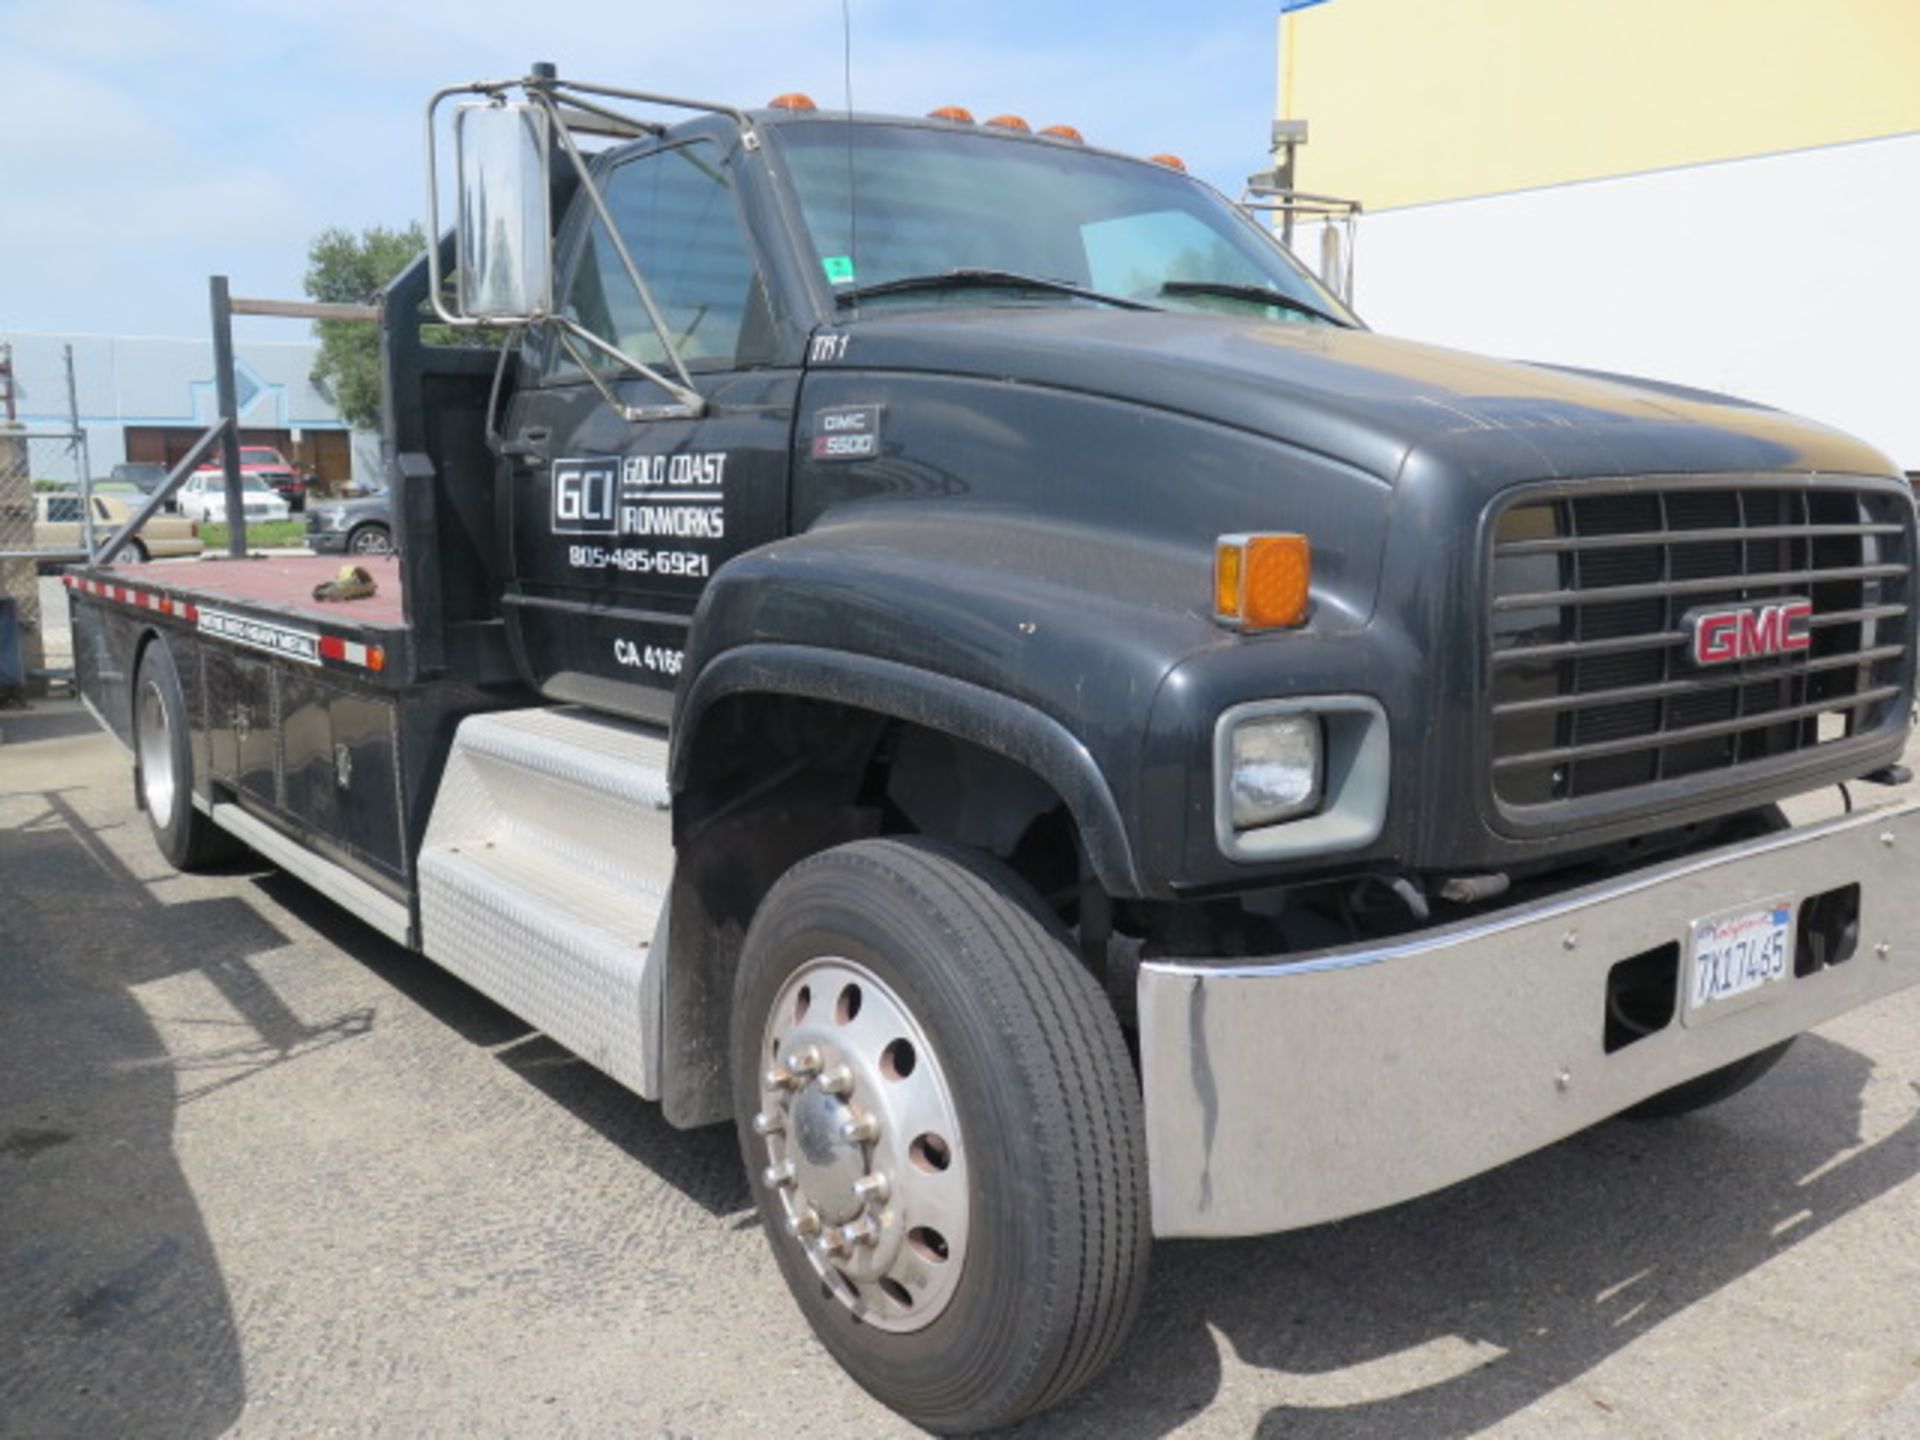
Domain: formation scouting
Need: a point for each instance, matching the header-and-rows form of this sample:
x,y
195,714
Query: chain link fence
x,y
44,498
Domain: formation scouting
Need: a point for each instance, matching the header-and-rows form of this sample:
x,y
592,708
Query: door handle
x,y
527,443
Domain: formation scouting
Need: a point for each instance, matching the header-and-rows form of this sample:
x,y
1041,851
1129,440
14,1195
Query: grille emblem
x,y
1722,634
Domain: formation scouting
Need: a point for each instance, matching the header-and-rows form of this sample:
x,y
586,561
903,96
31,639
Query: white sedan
x,y
204,498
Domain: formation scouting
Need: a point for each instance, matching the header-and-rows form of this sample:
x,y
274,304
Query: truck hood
x,y
1387,407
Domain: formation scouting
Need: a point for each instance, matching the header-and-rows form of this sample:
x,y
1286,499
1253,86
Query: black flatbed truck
x,y
1039,717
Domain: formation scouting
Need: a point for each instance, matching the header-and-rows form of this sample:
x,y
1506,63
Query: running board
x,y
544,878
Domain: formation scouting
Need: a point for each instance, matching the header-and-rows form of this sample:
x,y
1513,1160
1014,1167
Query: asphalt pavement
x,y
263,1173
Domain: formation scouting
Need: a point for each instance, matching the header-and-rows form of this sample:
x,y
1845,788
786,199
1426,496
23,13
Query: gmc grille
x,y
1592,687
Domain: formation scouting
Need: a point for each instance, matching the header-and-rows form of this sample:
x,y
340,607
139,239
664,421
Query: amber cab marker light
x,y
1261,582
1011,122
1065,132
1172,162
958,114
792,100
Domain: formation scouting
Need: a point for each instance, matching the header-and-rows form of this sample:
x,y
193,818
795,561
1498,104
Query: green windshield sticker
x,y
839,268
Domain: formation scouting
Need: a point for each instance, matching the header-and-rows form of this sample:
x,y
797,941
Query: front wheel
x,y
371,540
1710,1088
943,1132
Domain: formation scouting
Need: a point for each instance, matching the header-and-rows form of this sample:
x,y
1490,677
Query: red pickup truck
x,y
274,468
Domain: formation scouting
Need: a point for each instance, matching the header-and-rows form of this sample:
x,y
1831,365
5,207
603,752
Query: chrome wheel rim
x,y
371,542
154,741
864,1155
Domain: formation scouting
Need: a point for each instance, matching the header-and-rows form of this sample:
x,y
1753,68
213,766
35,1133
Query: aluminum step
x,y
544,878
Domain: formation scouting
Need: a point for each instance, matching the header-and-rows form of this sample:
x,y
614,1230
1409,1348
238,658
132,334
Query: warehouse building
x,y
1721,193
148,398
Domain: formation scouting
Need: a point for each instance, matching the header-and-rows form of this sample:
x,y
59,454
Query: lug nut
x,y
830,1243
804,1062
860,1128
837,1081
769,1123
860,1232
778,1077
778,1177
804,1225
872,1189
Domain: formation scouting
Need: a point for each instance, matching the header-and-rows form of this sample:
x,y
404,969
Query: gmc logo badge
x,y
1719,635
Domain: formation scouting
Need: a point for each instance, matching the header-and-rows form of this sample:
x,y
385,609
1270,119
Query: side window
x,y
63,509
674,209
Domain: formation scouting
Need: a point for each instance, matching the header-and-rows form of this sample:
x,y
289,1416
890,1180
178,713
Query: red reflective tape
x,y
67,580
332,647
192,612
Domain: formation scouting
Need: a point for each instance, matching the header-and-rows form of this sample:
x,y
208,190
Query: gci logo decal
x,y
1720,635
586,496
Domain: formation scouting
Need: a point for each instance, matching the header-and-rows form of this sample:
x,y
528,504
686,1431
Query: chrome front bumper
x,y
1289,1092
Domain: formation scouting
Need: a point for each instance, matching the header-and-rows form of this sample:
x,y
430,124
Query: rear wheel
x,y
163,767
943,1132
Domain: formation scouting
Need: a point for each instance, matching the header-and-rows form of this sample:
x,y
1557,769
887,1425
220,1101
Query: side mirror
x,y
503,267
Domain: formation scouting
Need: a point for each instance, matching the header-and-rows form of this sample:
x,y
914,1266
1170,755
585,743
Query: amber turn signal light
x,y
1260,582
1172,162
958,114
792,100
1011,122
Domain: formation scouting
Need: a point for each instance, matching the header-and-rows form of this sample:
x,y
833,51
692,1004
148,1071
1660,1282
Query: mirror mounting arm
x,y
591,189
689,404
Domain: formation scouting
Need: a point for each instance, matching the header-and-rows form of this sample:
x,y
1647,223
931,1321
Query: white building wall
x,y
122,380
1792,280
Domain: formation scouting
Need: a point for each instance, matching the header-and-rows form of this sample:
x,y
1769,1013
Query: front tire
x,y
163,767
942,1130
1710,1088
371,540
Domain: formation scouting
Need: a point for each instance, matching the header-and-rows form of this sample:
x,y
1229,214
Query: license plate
x,y
1736,955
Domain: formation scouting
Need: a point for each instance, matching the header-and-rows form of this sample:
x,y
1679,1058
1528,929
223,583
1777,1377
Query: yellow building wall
x,y
1420,100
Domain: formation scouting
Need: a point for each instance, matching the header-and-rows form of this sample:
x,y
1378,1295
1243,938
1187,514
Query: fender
x,y
969,712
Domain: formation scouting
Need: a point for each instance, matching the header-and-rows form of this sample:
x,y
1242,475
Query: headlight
x,y
1300,778
1277,769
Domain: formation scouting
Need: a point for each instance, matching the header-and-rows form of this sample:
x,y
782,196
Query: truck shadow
x,y
1443,1316
704,1165
114,1314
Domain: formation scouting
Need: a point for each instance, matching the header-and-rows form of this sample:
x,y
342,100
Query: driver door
x,y
618,525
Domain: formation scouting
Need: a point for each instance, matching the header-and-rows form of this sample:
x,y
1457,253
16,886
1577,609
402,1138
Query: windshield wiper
x,y
963,279
1259,294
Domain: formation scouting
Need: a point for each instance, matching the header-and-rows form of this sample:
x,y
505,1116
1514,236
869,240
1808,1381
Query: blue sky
x,y
152,142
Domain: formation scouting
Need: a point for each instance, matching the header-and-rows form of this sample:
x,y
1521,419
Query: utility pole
x,y
77,447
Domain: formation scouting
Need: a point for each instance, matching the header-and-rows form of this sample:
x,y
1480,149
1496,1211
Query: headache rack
x,y
1592,700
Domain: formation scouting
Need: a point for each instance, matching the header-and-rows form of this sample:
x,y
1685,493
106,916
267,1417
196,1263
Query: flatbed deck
x,y
283,583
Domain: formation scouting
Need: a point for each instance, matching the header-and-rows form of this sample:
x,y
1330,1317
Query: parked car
x,y
143,475
361,526
263,463
204,498
57,528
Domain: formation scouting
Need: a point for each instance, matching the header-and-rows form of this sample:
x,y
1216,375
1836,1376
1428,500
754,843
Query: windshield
x,y
261,457
935,200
